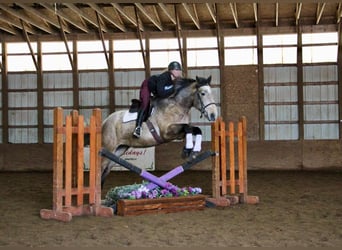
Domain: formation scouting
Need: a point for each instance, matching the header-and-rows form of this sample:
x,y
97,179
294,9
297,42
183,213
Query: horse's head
x,y
204,99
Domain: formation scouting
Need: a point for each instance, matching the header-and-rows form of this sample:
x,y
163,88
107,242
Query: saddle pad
x,y
128,116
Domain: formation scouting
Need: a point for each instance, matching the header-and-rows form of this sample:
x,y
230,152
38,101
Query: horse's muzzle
x,y
212,117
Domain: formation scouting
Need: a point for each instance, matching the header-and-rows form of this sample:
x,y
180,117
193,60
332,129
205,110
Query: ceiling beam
x,y
98,18
27,19
64,16
83,15
41,15
320,9
62,32
212,11
148,16
95,7
235,13
192,15
298,11
167,12
14,23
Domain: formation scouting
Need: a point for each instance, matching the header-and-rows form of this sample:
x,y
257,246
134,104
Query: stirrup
x,y
137,132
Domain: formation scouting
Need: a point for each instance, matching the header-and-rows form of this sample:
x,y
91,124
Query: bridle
x,y
203,107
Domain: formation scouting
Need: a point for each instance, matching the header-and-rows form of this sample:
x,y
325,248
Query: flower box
x,y
127,207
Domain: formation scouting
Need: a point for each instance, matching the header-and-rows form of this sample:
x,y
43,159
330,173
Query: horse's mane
x,y
181,84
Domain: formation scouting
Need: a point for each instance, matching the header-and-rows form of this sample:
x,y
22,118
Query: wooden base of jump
x,y
160,205
236,160
74,192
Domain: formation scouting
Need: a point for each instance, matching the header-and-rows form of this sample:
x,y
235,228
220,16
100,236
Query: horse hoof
x,y
193,155
186,152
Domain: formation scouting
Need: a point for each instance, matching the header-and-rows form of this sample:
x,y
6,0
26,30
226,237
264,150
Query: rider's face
x,y
176,73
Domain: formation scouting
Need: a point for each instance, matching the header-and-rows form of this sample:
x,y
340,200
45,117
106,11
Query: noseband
x,y
203,107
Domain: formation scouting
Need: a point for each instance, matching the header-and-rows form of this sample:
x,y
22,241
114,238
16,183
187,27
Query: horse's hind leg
x,y
107,164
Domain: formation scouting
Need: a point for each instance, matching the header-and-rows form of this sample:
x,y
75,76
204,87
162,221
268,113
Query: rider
x,y
160,86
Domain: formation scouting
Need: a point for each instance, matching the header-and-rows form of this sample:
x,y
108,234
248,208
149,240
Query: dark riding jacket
x,y
161,86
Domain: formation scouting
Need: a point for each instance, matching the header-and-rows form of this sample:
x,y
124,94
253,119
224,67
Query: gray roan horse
x,y
169,118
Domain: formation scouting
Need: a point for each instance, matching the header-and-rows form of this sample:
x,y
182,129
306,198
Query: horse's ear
x,y
209,80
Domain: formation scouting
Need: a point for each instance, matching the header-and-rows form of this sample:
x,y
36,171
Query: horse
x,y
168,121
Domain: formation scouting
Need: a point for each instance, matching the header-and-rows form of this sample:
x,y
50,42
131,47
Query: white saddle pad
x,y
128,116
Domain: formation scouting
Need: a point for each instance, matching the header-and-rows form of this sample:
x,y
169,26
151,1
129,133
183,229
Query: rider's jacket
x,y
161,85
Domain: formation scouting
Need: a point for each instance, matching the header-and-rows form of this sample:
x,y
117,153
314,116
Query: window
x,y
127,54
280,49
91,55
163,51
55,56
19,57
240,50
202,52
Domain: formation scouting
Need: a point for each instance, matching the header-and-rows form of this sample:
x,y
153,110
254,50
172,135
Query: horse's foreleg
x,y
107,164
197,132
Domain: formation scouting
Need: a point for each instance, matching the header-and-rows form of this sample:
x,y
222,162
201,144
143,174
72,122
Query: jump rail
x,y
73,193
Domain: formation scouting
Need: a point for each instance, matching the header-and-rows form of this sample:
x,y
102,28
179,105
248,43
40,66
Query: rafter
x,y
128,17
95,7
339,13
14,23
8,28
19,15
167,12
83,15
320,9
255,11
235,13
148,16
192,15
277,14
64,16
212,11
298,11
46,18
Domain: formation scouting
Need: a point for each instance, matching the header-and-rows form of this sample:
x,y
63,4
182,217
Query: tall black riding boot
x,y
140,119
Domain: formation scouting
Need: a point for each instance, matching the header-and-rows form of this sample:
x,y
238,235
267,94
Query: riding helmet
x,y
174,66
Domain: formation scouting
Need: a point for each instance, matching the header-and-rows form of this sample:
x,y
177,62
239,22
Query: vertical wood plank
x,y
57,198
215,160
223,157
92,160
68,160
80,160
231,158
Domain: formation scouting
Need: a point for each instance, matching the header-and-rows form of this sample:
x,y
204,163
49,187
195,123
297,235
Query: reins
x,y
203,107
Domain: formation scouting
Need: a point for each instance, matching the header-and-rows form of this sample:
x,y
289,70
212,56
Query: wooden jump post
x,y
75,192
237,155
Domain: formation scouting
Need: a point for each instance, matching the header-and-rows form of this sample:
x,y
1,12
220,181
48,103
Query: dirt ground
x,y
295,209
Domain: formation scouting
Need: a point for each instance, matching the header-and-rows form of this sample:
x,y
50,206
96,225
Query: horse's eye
x,y
203,93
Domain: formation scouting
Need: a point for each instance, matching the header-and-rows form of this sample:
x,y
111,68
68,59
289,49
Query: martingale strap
x,y
154,132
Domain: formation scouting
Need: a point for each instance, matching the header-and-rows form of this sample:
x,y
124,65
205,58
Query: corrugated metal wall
x,y
93,92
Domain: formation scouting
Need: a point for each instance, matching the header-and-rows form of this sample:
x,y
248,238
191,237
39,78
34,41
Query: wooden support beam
x,y
140,38
298,11
61,14
255,10
212,11
83,15
102,38
277,14
95,7
27,39
46,28
167,12
234,13
149,16
179,37
40,14
65,41
192,14
320,9
339,13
